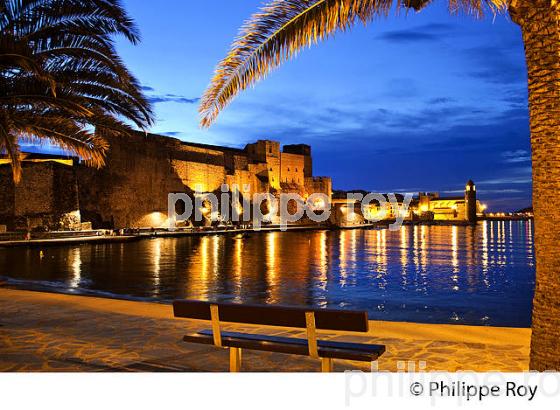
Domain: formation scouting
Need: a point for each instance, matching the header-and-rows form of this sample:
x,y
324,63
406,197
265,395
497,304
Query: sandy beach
x,y
54,332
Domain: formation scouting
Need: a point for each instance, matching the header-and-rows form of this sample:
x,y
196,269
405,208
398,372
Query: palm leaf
x,y
9,143
62,80
282,28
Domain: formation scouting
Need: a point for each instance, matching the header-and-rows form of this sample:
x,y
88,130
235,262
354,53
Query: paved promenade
x,y
50,332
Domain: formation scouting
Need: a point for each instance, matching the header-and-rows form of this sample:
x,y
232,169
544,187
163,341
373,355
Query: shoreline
x,y
79,238
166,234
148,331
9,283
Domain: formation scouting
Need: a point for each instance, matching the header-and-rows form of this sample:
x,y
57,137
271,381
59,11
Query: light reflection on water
x,y
438,274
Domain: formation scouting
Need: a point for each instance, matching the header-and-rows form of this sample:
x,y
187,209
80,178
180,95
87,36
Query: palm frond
x,y
282,28
62,80
9,144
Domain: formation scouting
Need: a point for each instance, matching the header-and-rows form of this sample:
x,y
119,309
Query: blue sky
x,y
412,102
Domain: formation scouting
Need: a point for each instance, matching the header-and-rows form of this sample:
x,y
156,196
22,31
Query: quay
x,y
45,332
130,235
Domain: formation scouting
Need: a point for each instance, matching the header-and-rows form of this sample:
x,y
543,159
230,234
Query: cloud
x,y
497,64
501,191
442,100
156,99
171,133
515,157
419,34
517,97
508,181
400,88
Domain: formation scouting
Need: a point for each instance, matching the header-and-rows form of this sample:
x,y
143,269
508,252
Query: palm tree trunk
x,y
540,23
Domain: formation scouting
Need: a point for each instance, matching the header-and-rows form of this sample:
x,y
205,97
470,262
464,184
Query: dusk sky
x,y
417,102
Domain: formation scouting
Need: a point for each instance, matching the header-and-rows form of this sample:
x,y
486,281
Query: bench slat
x,y
288,345
326,319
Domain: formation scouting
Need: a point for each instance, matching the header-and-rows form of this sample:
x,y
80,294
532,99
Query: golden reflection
x,y
369,246
323,264
415,247
353,247
155,258
485,247
529,232
502,258
404,253
272,265
271,255
238,268
216,255
455,257
206,263
382,250
455,248
204,257
76,268
343,259
424,247
470,255
382,258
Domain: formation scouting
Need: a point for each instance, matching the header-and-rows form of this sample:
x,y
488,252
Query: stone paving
x,y
61,333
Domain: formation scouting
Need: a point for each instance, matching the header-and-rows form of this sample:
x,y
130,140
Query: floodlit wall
x,y
45,199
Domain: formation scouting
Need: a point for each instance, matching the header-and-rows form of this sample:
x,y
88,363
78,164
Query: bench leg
x,y
326,365
234,359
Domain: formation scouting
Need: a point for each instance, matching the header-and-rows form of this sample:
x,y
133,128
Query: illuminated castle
x,y
132,189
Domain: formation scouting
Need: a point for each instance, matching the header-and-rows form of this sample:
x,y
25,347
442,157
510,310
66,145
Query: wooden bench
x,y
292,317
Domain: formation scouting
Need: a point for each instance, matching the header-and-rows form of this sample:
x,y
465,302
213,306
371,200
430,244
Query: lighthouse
x,y
470,202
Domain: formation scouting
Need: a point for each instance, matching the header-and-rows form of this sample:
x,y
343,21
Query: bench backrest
x,y
326,319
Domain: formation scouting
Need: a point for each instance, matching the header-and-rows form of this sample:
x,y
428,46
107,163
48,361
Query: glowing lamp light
x,y
156,219
319,204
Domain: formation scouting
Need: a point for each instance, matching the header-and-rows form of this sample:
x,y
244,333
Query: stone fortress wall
x,y
47,195
131,191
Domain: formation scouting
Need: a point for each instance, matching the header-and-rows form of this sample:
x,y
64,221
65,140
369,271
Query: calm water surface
x,y
438,274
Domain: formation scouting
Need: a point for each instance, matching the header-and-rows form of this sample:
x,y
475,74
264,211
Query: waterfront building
x,y
425,207
464,208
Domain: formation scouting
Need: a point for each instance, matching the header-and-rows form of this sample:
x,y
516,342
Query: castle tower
x,y
304,150
470,202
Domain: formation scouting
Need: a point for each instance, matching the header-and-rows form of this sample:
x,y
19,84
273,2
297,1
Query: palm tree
x,y
61,79
283,27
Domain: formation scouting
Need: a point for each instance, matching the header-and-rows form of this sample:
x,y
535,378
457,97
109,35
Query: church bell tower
x,y
470,202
